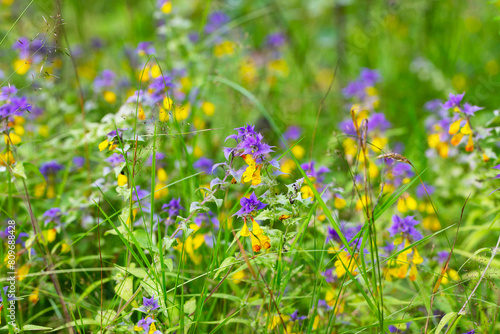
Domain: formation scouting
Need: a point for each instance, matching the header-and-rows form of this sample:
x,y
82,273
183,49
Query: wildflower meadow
x,y
250,166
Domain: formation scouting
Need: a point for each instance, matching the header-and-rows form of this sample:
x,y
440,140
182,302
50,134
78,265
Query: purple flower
x,y
294,316
51,168
394,329
292,133
19,104
275,40
347,127
378,121
433,105
470,109
354,89
115,159
78,162
138,193
52,216
145,48
421,191
472,331
6,293
97,43
22,47
149,305
159,156
249,205
369,77
105,79
402,170
311,171
348,232
193,37
404,225
116,136
357,88
145,323
248,142
207,218
453,101
204,164
328,275
215,21
173,207
442,256
7,91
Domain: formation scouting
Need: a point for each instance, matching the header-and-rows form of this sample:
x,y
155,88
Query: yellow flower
x,y
34,296
21,66
433,140
431,223
192,244
238,276
109,96
280,67
43,130
298,151
413,273
185,83
155,71
65,247
259,240
339,202
141,114
455,140
182,112
306,192
451,274
288,166
345,262
168,103
161,190
197,152
245,232
163,115
22,272
167,7
252,173
224,48
208,108
248,71
7,158
470,144
162,175
122,180
12,139
454,127
49,235
106,144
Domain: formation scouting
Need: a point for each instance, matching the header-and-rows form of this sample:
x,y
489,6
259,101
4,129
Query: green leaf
x,y
18,171
29,327
125,289
105,317
28,166
143,239
190,306
444,321
35,328
137,272
225,264
78,322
